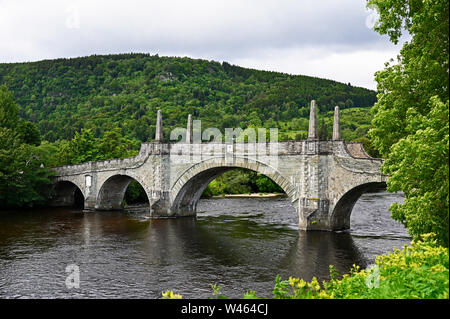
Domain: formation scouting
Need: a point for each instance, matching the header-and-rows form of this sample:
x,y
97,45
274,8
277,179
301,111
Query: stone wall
x,y
321,178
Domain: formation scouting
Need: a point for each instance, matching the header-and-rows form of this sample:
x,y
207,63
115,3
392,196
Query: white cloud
x,y
324,38
357,67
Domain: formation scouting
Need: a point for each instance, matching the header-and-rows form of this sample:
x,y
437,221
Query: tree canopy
x,y
23,182
105,92
411,120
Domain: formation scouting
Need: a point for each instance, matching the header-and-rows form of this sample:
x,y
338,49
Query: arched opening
x,y
120,191
78,199
224,180
67,194
371,216
135,194
340,217
241,181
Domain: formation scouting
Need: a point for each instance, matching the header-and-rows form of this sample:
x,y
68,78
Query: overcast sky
x,y
327,38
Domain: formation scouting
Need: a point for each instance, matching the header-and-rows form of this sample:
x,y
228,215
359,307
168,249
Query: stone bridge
x,y
323,179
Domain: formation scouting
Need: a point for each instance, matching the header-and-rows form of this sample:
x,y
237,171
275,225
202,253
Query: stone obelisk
x,y
312,132
159,130
189,131
336,125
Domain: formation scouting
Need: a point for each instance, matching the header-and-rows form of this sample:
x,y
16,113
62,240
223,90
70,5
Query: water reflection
x,y
240,243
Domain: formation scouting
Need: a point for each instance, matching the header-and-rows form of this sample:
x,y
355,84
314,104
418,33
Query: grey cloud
x,y
285,35
227,28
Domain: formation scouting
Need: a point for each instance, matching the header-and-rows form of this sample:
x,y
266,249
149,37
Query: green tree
x,y
9,110
29,133
323,131
83,147
23,182
418,166
125,90
410,124
265,185
114,145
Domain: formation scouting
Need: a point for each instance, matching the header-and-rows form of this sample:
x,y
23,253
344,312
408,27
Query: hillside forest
x,y
101,107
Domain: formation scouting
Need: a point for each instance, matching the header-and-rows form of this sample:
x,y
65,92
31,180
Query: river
x,y
239,243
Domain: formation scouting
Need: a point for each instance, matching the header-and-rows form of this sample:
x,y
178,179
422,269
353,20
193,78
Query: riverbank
x,y
251,195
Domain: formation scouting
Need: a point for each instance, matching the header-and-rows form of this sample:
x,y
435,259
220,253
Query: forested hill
x,y
102,92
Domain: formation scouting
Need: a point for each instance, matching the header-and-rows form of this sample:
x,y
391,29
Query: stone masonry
x,y
323,179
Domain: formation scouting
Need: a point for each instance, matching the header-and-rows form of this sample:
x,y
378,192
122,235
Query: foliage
x,y
241,181
135,193
419,167
23,182
216,288
410,125
102,107
169,294
102,93
323,130
417,271
84,147
9,110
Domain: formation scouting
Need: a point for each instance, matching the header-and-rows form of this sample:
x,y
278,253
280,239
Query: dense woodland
x,y
101,107
125,91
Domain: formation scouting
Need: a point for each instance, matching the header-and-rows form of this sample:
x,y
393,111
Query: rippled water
x,y
241,244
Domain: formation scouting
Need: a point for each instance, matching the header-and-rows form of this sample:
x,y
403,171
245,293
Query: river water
x,y
239,243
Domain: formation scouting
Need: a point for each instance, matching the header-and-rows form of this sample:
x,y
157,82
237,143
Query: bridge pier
x,y
314,214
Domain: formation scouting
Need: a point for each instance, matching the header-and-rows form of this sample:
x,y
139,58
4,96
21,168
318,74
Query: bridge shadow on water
x,y
238,252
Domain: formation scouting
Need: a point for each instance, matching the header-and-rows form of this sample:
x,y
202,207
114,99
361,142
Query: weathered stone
x,y
312,132
189,130
323,186
159,129
323,179
336,125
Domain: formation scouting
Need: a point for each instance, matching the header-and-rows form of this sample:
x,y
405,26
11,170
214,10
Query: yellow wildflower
x,y
170,295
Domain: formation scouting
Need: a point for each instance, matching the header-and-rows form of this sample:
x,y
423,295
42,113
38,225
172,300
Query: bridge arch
x,y
112,191
189,186
340,215
67,193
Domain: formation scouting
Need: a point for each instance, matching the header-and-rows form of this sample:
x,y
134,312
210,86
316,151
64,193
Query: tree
x,y
23,182
323,131
418,166
83,147
29,133
114,145
9,111
410,124
104,92
265,185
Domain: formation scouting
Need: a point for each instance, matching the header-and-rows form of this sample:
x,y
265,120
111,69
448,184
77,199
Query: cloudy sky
x,y
327,38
